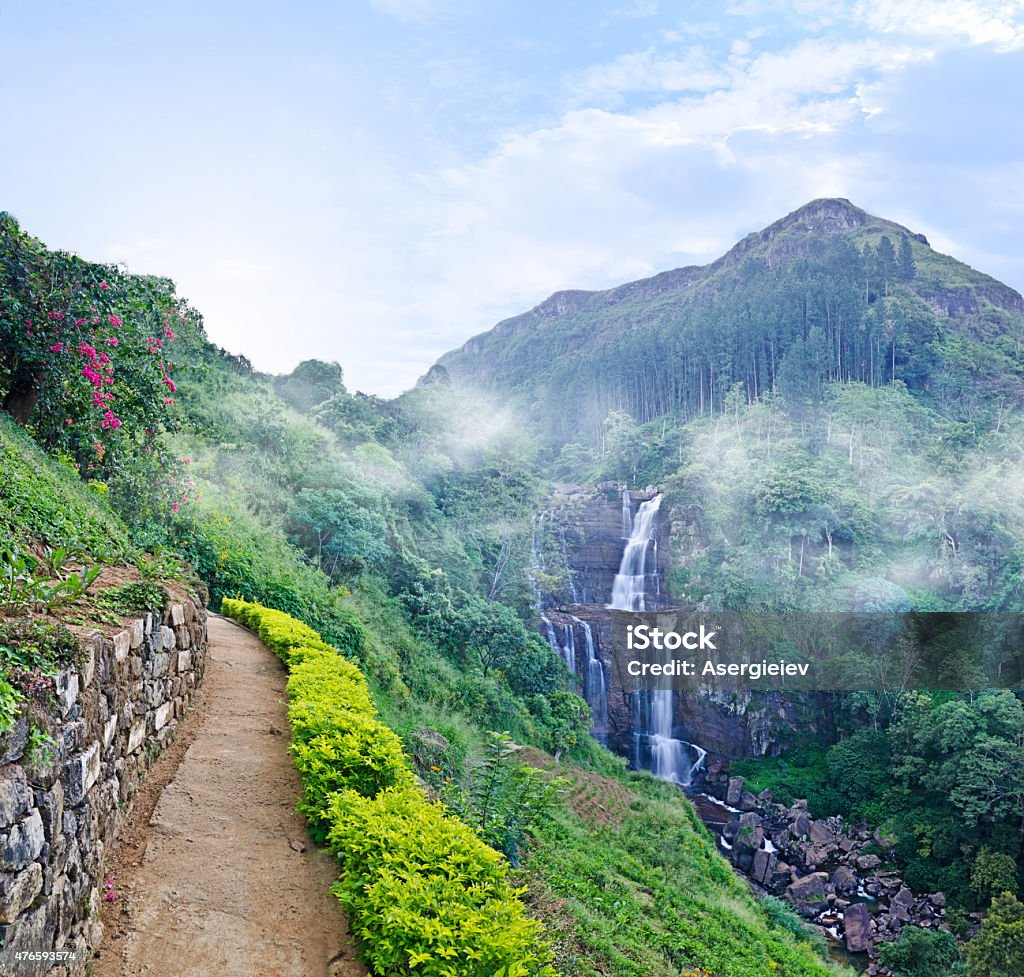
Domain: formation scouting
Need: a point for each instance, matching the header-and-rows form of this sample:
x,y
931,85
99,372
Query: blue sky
x,y
374,181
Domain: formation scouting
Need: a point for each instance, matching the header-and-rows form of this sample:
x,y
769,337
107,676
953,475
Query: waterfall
x,y
569,572
671,758
594,689
566,639
629,590
537,562
654,746
565,647
627,516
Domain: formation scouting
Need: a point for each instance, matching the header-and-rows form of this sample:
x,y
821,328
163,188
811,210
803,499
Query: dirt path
x,y
214,873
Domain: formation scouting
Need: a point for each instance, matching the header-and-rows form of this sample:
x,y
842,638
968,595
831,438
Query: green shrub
x,y
425,894
337,742
280,632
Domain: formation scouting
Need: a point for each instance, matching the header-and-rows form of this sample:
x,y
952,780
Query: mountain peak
x,y
825,217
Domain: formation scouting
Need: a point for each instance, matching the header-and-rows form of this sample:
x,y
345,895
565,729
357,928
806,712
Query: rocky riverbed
x,y
837,876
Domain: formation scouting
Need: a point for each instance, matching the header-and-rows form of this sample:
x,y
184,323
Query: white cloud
x,y
1000,24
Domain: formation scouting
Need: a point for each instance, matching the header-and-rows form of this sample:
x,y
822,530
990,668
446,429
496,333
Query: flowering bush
x,y
85,357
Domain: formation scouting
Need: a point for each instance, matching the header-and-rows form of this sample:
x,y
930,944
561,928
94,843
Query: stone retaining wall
x,y
115,713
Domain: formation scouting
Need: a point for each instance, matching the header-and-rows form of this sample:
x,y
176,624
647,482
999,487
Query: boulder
x,y
748,802
904,897
844,879
808,894
734,792
763,867
938,900
857,927
868,862
820,834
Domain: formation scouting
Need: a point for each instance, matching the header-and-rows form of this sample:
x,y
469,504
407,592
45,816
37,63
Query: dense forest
x,y
832,411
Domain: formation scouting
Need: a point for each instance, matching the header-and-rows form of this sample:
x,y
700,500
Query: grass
x,y
43,500
648,895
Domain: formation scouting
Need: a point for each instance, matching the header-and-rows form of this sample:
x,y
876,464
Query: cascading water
x,y
629,589
594,688
627,515
654,746
565,639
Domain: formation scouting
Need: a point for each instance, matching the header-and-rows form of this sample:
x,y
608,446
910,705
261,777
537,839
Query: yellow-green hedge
x,y
424,895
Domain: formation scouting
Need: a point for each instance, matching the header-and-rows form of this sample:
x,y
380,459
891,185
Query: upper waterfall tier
x,y
629,589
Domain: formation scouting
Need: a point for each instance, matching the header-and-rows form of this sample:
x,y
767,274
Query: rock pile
x,y
838,876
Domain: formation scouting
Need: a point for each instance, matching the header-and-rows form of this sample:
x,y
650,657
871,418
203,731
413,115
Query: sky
x,y
375,181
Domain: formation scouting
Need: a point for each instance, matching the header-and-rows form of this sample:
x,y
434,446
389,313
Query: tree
x,y
967,752
993,872
334,528
885,257
905,260
998,949
922,953
311,383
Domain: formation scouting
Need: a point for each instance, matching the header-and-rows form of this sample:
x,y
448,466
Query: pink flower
x,y
57,348
113,340
104,286
170,384
175,507
67,420
114,320
187,461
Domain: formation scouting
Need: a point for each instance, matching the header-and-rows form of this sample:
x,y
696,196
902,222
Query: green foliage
x,y
504,799
311,383
32,644
31,655
781,915
134,598
967,751
40,499
651,898
425,895
238,557
998,949
337,742
992,873
42,749
799,773
922,953
10,704
569,723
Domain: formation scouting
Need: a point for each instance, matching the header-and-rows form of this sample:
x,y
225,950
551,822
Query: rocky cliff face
x,y
584,534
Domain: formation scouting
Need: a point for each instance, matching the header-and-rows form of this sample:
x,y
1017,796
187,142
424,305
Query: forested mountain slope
x,y
828,293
